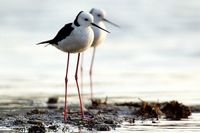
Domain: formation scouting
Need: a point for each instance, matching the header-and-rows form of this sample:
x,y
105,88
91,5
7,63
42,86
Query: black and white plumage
x,y
74,37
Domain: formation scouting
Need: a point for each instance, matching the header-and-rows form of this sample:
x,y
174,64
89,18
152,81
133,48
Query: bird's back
x,y
63,33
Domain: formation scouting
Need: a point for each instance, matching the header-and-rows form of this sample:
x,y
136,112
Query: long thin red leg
x,y
77,85
91,66
66,81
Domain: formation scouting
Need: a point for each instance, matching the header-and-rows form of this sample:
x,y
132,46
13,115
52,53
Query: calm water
x,y
155,55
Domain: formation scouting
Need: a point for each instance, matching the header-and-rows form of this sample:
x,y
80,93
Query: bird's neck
x,y
78,27
96,21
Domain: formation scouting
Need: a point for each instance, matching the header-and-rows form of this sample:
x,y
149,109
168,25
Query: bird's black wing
x,y
62,33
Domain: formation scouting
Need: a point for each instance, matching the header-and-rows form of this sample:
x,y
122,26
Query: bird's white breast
x,y
79,40
99,35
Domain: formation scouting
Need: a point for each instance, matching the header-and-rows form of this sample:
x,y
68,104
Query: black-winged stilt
x,y
74,37
99,37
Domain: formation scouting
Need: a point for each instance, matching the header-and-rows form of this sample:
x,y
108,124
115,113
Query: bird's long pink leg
x,y
66,81
77,85
91,66
82,55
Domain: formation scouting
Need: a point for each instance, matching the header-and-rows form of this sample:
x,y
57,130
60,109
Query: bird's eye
x,y
86,19
99,15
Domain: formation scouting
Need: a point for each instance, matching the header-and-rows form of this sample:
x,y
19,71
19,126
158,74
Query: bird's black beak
x,y
111,22
99,27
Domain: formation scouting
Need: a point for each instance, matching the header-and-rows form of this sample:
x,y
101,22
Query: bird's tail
x,y
49,41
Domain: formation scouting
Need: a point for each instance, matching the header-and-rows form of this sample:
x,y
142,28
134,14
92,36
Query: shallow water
x,y
189,125
154,55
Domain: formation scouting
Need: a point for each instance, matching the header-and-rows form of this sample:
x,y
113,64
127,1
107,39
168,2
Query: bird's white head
x,y
98,14
85,19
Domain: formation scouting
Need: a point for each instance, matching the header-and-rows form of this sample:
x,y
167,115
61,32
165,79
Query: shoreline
x,y
102,116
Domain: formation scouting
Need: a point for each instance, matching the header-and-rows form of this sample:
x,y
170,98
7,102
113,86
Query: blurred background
x,y
155,55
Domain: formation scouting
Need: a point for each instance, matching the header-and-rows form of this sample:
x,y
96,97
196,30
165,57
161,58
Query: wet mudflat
x,y
99,116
